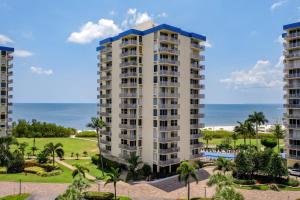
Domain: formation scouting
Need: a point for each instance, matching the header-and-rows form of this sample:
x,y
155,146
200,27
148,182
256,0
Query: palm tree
x,y
223,165
97,124
234,137
79,170
134,162
53,149
249,129
5,154
33,149
241,130
278,132
207,137
186,173
258,118
22,147
113,177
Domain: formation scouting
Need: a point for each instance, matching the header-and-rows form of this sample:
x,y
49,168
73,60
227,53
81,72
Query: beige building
x,y
292,89
6,81
150,91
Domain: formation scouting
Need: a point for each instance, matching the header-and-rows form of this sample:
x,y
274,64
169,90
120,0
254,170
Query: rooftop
x,y
293,25
3,48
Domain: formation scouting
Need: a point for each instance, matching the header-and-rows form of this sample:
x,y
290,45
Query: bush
x,y
52,173
33,170
123,198
198,164
99,196
86,134
291,182
16,163
42,157
244,181
274,187
3,170
269,142
107,164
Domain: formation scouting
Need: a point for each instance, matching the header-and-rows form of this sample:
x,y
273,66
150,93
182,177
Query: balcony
x,y
196,136
292,35
291,86
128,95
169,139
107,59
198,66
168,162
197,116
195,156
197,86
169,95
128,63
197,126
127,126
106,68
106,50
105,78
196,106
169,106
127,136
198,145
197,76
128,106
105,87
103,141
128,147
168,117
169,150
168,73
291,146
168,84
129,115
293,126
197,96
104,150
128,43
168,50
105,114
292,45
292,55
128,85
197,56
291,105
169,128
168,62
292,116
10,89
164,38
197,46
128,54
128,74
106,133
105,95
105,105
291,96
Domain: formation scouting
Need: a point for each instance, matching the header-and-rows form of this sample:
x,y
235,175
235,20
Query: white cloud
x,y
22,53
41,71
262,74
277,4
135,18
207,44
5,39
90,31
279,39
163,14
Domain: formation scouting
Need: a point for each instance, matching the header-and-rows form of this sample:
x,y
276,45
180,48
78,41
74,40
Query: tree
x,y
186,173
241,130
249,129
258,118
278,132
146,169
135,163
113,177
244,164
22,147
5,154
228,193
52,149
234,137
276,167
207,137
79,170
76,190
97,124
269,142
223,165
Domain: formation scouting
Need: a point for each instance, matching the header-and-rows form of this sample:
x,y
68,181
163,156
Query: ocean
x,y
77,115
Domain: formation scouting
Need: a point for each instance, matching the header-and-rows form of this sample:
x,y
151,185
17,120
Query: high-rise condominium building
x,y
292,89
150,92
6,81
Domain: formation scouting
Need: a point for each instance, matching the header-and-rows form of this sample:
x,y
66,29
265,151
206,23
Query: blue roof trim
x,y
2,48
151,30
293,25
284,35
100,48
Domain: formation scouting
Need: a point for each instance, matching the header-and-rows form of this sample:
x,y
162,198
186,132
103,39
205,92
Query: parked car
x,y
294,172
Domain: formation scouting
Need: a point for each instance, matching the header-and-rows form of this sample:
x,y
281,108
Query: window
x,y
154,123
155,101
155,112
155,57
155,79
155,68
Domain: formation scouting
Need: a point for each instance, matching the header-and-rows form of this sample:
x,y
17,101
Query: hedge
x,y
3,170
41,171
99,196
244,181
86,134
226,134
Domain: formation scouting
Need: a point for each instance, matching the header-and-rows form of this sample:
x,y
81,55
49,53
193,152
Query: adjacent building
x,y
292,91
150,94
6,88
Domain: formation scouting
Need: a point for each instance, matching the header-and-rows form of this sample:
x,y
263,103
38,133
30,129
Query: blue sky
x,y
55,43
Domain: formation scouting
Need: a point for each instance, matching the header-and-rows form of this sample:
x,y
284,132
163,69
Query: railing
x,y
169,106
128,95
105,87
106,50
291,96
168,39
128,84
128,147
197,56
127,126
127,136
128,53
169,150
128,42
105,95
168,50
196,65
168,84
197,106
129,63
128,74
104,132
168,162
292,55
195,136
195,156
105,78
198,96
167,72
288,86
169,117
107,59
105,114
126,106
198,76
293,35
293,126
169,139
291,105
198,46
169,128
103,141
292,45
169,61
105,105
196,145
197,126
175,95
199,115
106,68
130,115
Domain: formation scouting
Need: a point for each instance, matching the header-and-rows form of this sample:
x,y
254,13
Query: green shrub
x,y
3,170
269,142
34,170
123,198
198,164
48,174
16,163
244,181
292,182
99,196
86,134
42,157
274,187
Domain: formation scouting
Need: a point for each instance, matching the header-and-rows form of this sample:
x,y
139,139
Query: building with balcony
x,y
150,95
6,89
292,91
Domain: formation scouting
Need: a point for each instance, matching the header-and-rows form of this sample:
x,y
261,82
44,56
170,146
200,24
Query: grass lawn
x,y
89,138
217,141
65,177
93,170
16,197
74,145
266,187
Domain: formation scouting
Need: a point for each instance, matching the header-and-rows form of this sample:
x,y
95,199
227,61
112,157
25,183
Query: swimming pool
x,y
216,155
